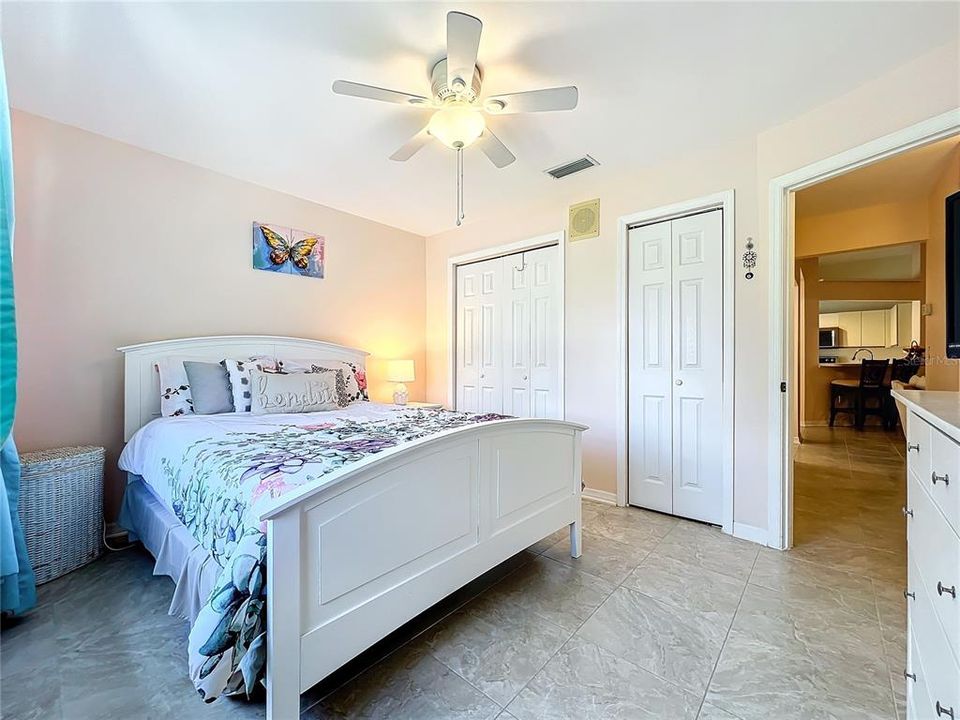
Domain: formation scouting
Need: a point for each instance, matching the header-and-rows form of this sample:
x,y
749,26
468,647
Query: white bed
x,y
368,547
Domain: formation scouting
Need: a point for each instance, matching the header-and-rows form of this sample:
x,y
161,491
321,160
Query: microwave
x,y
829,337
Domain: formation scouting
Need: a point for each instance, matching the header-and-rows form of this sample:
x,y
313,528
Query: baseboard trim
x,y
600,496
750,532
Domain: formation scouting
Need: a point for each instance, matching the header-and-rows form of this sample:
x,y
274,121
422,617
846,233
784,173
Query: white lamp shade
x,y
400,371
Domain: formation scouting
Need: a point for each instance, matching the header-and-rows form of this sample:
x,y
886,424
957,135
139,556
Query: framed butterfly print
x,y
285,250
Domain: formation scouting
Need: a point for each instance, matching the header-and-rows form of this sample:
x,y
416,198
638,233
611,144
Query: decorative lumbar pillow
x,y
238,372
175,396
355,379
209,387
292,393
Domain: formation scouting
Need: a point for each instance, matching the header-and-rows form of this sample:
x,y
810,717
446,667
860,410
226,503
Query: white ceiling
x,y
903,177
244,88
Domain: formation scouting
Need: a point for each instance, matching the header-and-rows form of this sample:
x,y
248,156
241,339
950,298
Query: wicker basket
x,y
61,508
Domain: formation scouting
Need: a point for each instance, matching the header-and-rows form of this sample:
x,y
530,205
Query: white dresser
x,y
933,552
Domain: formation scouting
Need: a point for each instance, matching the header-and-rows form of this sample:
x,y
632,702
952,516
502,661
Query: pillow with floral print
x,y
354,375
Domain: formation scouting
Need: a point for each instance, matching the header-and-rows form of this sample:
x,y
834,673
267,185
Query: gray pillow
x,y
210,387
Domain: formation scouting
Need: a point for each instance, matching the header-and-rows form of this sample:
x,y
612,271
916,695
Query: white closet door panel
x,y
516,337
697,407
478,370
650,367
542,268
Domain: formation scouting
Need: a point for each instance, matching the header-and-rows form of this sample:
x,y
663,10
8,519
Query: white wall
x,y
921,89
116,245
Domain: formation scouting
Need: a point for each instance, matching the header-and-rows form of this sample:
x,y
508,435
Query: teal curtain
x,y
17,587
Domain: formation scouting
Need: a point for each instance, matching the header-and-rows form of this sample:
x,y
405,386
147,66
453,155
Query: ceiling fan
x,y
458,120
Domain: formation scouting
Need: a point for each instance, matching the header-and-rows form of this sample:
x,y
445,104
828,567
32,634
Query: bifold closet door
x,y
531,343
676,366
479,382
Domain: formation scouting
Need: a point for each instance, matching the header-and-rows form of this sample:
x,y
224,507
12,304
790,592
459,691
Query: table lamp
x,y
400,372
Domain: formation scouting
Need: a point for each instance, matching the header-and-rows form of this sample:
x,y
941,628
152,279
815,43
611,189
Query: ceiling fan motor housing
x,y
441,91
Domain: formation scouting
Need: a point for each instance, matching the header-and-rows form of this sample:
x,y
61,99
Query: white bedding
x,y
168,437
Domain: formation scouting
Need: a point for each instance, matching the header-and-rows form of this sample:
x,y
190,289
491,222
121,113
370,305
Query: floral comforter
x,y
216,472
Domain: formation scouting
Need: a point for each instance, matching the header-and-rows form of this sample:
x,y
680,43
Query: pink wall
x,y
116,245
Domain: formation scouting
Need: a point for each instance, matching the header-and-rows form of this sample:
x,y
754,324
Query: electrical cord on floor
x,y
111,548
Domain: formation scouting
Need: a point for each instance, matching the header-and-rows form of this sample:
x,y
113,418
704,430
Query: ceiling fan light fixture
x,y
456,125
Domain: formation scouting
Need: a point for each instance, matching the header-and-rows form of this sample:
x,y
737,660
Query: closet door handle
x,y
941,589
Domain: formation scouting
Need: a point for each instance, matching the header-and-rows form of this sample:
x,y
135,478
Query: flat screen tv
x,y
953,275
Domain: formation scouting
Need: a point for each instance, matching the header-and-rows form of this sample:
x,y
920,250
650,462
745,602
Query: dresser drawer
x,y
935,550
931,658
943,482
918,446
918,698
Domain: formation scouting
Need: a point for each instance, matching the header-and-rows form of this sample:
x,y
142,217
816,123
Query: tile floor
x,y
660,618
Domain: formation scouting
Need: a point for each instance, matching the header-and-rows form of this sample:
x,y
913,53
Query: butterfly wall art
x,y
285,250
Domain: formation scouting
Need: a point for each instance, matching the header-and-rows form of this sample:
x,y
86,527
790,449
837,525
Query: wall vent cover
x,y
570,168
584,220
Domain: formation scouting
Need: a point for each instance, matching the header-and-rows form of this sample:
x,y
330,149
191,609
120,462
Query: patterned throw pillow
x,y
356,379
239,373
175,397
281,393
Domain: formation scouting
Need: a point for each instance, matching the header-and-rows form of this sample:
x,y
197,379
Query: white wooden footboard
x,y
352,560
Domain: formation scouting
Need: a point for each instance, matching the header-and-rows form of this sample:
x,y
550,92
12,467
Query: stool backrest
x,y
873,373
903,369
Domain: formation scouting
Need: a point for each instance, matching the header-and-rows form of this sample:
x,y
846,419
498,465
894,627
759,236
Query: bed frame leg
x,y
576,542
283,617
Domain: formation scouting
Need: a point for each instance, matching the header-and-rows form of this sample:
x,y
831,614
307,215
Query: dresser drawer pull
x,y
907,511
915,448
908,594
911,676
941,710
945,479
941,589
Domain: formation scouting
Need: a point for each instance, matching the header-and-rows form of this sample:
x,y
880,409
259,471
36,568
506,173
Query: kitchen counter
x,y
839,364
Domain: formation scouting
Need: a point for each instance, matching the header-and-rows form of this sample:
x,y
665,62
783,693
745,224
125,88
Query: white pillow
x,y
175,397
239,373
292,393
355,379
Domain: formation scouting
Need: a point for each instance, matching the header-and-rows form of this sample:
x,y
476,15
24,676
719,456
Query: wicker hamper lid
x,y
41,459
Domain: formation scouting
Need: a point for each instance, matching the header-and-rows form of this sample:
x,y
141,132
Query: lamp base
x,y
400,395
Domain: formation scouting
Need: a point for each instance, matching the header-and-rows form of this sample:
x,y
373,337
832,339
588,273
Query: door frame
x,y
724,201
781,330
535,243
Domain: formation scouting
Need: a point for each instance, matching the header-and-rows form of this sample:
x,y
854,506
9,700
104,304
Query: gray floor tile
x,y
686,586
607,559
495,647
408,685
709,548
678,645
586,681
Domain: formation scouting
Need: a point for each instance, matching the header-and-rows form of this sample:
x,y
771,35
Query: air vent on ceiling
x,y
572,167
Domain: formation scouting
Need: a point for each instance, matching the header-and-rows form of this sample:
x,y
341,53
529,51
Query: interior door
x,y
650,376
697,288
479,386
543,268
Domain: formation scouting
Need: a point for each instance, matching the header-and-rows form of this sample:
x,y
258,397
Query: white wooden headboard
x,y
141,383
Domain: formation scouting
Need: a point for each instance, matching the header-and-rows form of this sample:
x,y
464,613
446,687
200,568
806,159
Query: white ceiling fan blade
x,y
494,149
411,146
463,43
345,87
560,98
